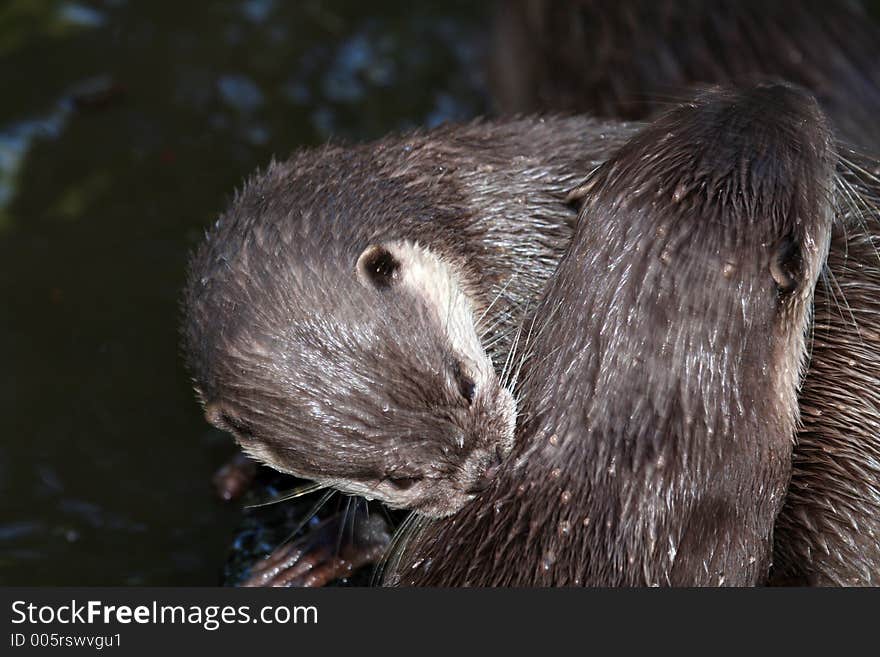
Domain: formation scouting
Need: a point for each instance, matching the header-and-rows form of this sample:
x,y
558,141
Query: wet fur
x,y
549,152
629,59
660,400
837,540
321,376
828,533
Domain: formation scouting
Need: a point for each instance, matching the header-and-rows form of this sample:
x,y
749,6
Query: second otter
x,y
624,59
660,401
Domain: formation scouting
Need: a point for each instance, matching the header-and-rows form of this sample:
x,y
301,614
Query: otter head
x,y
343,359
713,224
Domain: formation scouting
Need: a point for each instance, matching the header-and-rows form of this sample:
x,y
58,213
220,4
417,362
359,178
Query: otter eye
x,y
786,264
403,483
378,267
467,388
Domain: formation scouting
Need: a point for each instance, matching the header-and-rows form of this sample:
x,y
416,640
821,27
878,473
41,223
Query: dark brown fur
x,y
627,59
659,394
332,379
829,530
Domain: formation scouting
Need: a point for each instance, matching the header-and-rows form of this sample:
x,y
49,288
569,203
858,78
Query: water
x,y
124,128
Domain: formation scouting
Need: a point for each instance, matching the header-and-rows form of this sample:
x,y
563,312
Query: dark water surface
x,y
124,128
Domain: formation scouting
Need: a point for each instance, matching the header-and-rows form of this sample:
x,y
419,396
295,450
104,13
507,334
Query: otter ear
x,y
786,265
377,267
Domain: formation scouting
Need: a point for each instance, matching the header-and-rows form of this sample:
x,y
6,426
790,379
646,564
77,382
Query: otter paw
x,y
333,550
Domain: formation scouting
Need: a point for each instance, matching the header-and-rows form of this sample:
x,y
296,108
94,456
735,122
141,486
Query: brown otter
x,y
861,356
832,49
626,59
540,185
333,315
660,400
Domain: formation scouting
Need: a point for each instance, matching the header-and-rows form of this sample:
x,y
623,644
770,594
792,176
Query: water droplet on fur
x,y
565,498
564,528
548,560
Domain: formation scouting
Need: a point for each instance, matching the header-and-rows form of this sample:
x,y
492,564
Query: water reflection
x,y
128,127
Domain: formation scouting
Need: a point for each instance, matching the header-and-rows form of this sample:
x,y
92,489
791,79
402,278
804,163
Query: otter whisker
x,y
501,318
511,356
391,550
854,322
347,516
854,166
413,529
289,495
498,338
500,293
526,353
307,517
860,208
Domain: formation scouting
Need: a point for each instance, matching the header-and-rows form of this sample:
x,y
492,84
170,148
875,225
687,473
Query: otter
x,y
659,402
340,319
859,354
625,60
542,174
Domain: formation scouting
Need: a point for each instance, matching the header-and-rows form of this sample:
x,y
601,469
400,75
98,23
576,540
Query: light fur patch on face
x,y
428,277
260,453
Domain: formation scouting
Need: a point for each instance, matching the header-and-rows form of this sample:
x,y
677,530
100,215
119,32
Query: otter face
x,y
366,374
725,204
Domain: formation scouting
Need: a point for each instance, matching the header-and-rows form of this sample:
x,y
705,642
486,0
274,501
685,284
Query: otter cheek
x,y
443,503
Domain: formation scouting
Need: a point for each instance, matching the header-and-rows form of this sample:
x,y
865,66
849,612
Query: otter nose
x,y
490,471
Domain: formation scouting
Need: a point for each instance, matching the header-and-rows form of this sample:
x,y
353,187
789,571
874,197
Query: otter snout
x,y
485,471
